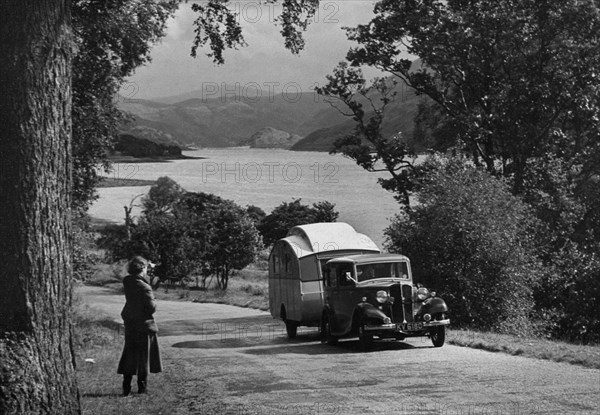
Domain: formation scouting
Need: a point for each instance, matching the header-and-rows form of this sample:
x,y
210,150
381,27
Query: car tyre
x,y
365,340
291,327
438,336
326,336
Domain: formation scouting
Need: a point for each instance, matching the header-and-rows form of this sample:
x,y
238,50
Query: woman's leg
x,y
127,384
142,382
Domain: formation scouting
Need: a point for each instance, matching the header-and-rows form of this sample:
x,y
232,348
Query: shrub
x,y
471,240
287,215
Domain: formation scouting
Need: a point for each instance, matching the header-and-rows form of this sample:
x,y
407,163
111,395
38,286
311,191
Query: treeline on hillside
x,y
202,236
130,145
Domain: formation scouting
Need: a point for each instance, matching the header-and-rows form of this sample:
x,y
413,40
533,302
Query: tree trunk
x,y
37,363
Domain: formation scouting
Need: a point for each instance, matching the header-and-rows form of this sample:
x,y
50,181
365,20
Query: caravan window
x,y
288,263
276,259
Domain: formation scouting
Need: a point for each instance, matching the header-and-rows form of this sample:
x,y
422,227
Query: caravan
x,y
295,269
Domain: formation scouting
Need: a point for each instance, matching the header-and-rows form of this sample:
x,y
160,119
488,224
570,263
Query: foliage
x,y
83,256
218,26
287,215
346,91
514,80
167,241
255,213
469,238
230,238
189,234
162,196
112,39
566,198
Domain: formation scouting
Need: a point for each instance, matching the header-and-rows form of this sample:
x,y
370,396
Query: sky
x,y
263,64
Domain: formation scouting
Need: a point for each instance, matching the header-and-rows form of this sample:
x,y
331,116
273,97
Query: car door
x,y
340,298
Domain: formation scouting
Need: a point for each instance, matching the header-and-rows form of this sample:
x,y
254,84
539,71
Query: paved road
x,y
230,360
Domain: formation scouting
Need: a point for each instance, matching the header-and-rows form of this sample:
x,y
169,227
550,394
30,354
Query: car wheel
x,y
438,336
365,340
326,336
291,327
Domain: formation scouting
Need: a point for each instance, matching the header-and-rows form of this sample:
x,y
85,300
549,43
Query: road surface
x,y
232,360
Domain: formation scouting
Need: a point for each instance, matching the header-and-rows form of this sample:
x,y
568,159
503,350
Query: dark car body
x,y
373,296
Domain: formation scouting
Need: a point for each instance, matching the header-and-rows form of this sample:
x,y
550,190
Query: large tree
x,y
510,81
36,50
514,79
37,365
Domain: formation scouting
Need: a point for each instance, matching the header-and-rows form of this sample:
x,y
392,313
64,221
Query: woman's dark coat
x,y
141,353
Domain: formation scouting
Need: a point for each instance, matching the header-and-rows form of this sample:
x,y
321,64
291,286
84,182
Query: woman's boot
x,y
127,384
141,384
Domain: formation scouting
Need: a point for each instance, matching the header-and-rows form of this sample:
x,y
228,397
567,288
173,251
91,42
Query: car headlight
x,y
382,296
422,293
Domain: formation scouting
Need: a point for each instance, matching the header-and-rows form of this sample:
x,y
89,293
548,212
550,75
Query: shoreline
x,y
154,159
106,181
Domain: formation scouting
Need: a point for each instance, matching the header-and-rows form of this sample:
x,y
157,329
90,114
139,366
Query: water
x,y
264,178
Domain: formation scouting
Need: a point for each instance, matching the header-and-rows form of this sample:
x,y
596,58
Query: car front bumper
x,y
416,328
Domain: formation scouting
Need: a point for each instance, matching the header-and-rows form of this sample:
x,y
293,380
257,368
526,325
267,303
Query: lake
x,y
264,178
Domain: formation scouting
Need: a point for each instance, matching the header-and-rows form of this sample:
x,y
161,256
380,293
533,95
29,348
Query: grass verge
x,y
248,288
98,344
539,348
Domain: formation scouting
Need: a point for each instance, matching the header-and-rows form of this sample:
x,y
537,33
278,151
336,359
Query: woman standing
x,y
140,353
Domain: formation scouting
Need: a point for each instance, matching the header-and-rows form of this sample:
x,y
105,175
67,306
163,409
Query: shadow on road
x,y
350,346
255,326
262,335
309,345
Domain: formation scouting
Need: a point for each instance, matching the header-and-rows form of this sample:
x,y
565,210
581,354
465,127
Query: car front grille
x,y
402,309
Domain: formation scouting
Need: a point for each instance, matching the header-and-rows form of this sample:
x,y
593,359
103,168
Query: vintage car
x,y
373,296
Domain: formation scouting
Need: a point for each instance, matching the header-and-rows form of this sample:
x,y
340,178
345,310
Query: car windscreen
x,y
384,270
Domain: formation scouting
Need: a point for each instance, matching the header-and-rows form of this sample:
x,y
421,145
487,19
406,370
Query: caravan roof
x,y
331,236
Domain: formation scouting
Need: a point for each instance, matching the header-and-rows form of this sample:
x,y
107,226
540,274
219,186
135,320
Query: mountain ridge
x,y
226,120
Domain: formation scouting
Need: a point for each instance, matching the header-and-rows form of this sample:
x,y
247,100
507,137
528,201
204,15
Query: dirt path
x,y
231,360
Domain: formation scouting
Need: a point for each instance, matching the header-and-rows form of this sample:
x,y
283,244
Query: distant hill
x,y
130,146
152,134
399,117
225,118
226,121
269,137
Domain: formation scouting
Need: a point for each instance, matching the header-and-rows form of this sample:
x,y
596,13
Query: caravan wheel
x,y
291,327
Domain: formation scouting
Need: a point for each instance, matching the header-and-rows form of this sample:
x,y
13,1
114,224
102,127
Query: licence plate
x,y
409,326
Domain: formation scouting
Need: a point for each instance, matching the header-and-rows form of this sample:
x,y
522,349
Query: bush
x,y
471,240
287,215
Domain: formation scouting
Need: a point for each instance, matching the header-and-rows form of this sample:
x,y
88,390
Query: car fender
x,y
434,306
370,311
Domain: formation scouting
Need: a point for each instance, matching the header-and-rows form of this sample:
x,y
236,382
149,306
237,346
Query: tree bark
x,y
37,364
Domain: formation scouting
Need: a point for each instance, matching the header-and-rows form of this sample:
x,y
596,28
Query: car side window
x,y
342,280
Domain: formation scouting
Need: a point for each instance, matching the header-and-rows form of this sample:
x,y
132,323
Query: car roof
x,y
370,259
